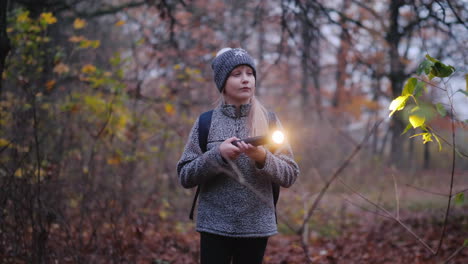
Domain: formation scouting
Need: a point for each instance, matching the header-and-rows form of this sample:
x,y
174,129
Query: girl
x,y
236,212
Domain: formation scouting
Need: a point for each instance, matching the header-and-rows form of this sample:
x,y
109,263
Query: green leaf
x,y
459,198
441,109
398,104
408,127
465,244
417,121
425,67
409,86
420,86
466,83
430,58
441,70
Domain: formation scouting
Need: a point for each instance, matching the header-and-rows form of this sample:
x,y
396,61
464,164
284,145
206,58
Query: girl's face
x,y
240,86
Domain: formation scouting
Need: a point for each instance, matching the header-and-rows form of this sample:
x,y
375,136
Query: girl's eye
x,y
250,73
236,73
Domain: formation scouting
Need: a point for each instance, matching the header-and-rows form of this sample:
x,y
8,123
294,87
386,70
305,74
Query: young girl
x,y
236,214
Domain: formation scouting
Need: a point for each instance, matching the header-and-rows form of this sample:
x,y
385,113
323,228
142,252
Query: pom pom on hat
x,y
226,60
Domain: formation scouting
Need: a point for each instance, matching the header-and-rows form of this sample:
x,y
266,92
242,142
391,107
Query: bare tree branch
x,y
335,176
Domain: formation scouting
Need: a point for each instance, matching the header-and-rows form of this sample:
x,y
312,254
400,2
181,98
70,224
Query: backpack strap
x,y
204,124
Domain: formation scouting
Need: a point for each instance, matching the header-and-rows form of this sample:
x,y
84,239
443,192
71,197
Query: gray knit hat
x,y
226,61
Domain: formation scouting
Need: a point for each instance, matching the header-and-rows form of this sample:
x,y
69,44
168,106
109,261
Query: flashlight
x,y
277,137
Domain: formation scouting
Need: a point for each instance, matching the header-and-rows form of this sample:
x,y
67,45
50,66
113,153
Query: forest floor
x,y
374,240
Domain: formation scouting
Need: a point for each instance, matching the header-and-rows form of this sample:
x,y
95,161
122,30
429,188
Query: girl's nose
x,y
245,78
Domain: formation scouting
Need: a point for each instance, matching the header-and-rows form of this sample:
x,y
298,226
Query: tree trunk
x,y
4,40
261,45
341,62
427,157
305,66
396,77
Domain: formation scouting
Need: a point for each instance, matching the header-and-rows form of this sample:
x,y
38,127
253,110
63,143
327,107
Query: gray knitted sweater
x,y
236,196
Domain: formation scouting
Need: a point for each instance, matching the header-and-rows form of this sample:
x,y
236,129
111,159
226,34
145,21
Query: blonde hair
x,y
258,118
257,121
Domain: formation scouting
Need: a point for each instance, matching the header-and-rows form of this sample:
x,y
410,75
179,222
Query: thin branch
x,y
109,10
426,191
389,214
396,197
448,143
368,210
455,253
447,212
431,84
459,19
335,176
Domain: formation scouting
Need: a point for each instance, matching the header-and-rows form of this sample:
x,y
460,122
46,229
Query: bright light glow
x,y
278,137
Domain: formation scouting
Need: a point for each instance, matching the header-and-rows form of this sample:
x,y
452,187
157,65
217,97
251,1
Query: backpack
x,y
204,124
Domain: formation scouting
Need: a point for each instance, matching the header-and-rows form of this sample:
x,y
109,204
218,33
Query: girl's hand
x,y
228,150
258,154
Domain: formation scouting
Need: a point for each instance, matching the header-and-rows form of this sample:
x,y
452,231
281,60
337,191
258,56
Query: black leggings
x,y
215,249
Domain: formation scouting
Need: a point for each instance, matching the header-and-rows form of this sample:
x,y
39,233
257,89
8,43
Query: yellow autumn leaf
x,y
79,23
120,23
88,69
61,68
398,104
4,142
19,173
75,39
427,137
416,121
48,18
163,214
114,161
50,85
169,108
96,43
23,17
466,82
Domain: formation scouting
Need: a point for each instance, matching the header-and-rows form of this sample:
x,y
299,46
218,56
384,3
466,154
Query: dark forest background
x,y
97,99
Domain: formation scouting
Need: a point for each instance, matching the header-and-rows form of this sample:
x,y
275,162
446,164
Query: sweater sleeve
x,y
196,167
280,165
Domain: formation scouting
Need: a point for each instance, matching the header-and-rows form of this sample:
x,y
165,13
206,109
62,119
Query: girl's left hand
x,y
258,154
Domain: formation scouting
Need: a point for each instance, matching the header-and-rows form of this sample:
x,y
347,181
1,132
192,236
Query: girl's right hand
x,y
228,150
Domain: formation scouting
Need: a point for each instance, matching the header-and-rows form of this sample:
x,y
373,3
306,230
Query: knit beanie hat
x,y
228,59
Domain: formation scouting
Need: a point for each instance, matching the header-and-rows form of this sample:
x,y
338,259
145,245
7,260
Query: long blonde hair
x,y
257,121
258,118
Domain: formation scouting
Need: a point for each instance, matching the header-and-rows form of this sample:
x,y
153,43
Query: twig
x,y
368,210
430,83
396,197
426,191
455,253
447,212
390,215
334,176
